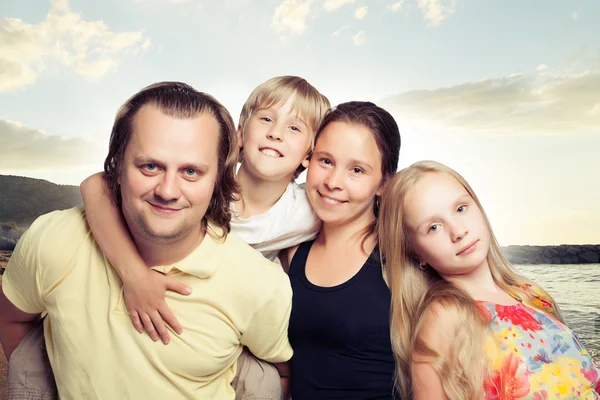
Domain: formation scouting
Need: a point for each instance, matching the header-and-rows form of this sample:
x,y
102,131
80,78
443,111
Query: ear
x,y
240,136
306,161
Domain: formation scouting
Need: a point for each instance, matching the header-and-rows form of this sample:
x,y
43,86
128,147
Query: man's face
x,y
168,175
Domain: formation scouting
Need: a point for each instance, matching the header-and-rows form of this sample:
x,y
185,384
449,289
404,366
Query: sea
x,y
576,290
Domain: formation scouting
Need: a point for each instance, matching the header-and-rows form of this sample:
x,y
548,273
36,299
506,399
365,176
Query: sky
x,y
505,92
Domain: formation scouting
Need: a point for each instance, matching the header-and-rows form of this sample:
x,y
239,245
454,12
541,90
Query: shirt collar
x,y
203,260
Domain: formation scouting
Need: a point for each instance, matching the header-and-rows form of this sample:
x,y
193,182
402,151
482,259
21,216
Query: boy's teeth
x,y
270,153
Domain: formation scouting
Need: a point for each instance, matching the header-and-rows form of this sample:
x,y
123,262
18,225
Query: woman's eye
x,y
462,209
357,170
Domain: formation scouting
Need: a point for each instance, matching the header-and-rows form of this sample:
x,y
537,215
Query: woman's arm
x,y
143,288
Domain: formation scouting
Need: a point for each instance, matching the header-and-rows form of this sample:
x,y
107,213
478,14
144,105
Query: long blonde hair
x,y
415,293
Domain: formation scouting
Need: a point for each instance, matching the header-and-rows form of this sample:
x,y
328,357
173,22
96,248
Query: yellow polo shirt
x,y
239,298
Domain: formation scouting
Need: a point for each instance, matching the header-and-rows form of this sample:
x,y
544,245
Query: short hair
x,y
309,103
181,101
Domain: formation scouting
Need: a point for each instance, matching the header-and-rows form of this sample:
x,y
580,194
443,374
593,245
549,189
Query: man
x,y
171,165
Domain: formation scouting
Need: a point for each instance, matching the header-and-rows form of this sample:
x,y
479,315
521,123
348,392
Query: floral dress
x,y
534,356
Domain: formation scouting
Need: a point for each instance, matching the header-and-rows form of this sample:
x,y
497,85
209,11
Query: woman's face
x,y
344,174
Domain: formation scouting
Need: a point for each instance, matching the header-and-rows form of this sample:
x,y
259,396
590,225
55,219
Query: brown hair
x,y
385,131
308,103
181,101
416,293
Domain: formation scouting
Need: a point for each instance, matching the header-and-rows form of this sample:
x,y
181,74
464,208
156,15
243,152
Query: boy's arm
x,y
143,288
14,324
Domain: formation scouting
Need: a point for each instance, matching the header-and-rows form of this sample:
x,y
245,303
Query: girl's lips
x,y
468,249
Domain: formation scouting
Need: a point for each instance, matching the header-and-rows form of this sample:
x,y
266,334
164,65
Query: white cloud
x,y
542,67
359,39
337,33
332,5
291,15
395,6
523,103
178,1
91,49
575,15
361,12
24,149
435,12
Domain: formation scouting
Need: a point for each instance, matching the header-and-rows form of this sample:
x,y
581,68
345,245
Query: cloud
x,y
26,149
359,39
542,67
90,49
575,15
291,15
361,12
337,33
395,6
522,103
435,12
332,5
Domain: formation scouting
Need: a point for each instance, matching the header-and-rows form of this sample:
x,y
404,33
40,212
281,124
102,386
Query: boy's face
x,y
276,142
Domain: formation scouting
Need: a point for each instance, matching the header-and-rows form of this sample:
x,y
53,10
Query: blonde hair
x,y
417,293
311,105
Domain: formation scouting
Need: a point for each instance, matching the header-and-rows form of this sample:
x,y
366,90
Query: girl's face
x,y
344,174
447,229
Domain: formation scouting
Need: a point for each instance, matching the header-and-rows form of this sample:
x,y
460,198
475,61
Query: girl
x,y
464,324
339,325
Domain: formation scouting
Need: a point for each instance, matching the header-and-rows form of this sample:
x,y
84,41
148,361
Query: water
x,y
576,290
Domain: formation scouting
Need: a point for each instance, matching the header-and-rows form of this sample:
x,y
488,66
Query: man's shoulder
x,y
241,256
59,224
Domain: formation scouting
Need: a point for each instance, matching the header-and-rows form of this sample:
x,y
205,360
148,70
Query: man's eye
x,y
190,172
150,167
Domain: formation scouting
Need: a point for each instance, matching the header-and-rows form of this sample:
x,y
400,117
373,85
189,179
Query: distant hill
x,y
22,199
563,254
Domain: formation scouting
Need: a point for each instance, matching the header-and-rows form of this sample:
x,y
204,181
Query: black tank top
x,y
340,335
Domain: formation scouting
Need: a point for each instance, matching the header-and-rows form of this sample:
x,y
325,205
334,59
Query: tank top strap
x,y
298,263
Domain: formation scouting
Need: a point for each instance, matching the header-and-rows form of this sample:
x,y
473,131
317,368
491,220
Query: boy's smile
x,y
276,141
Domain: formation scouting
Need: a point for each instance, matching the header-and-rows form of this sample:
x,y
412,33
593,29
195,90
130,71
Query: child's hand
x,y
145,300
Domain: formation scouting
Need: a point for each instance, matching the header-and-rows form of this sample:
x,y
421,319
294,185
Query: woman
x,y
339,325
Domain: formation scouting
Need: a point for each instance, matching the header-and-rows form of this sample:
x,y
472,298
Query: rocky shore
x,y
563,254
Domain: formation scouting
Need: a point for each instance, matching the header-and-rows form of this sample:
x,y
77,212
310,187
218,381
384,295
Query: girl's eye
x,y
357,170
462,209
266,119
295,128
433,228
325,161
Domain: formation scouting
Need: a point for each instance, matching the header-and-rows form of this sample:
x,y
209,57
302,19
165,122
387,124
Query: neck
x,y
257,195
479,283
348,237
156,253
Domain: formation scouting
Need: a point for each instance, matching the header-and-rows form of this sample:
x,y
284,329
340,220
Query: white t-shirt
x,y
289,222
